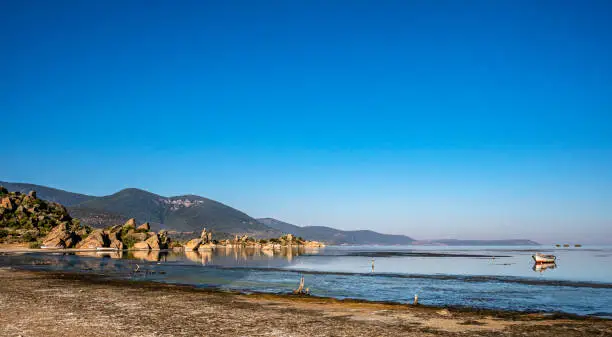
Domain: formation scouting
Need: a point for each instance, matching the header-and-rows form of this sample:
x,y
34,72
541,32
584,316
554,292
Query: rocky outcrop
x,y
192,245
60,237
114,240
137,236
6,203
153,242
206,236
97,239
144,227
29,219
130,223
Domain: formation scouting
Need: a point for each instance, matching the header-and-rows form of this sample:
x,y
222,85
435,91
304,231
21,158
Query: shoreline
x,y
96,278
42,303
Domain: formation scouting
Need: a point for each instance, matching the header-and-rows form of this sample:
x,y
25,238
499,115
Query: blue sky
x,y
436,119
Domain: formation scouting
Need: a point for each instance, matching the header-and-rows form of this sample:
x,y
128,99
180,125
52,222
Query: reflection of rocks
x,y
143,245
112,254
153,255
206,246
203,257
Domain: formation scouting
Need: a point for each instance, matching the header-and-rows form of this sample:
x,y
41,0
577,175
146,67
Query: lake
x,y
484,277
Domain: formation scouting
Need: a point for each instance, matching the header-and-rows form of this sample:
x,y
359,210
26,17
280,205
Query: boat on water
x,y
106,249
541,258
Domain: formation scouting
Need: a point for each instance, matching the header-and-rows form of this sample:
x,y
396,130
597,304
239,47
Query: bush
x,y
28,237
128,241
34,245
3,233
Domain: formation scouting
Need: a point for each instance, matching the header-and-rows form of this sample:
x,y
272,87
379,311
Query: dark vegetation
x,y
25,218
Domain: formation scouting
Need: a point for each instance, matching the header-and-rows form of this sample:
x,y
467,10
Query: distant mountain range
x,y
190,213
454,242
336,236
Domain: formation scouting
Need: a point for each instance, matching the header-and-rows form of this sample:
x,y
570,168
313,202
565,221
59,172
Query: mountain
x,y
186,213
336,236
454,242
47,193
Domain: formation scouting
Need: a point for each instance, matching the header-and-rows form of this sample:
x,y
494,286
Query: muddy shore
x,y
62,304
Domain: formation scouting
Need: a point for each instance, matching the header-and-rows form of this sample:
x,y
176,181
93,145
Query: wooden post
x,y
416,299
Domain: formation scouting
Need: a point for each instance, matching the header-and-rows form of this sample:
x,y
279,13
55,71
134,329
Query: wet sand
x,y
63,304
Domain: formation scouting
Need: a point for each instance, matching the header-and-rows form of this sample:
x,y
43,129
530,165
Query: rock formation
x,y
97,239
130,223
25,218
192,245
144,227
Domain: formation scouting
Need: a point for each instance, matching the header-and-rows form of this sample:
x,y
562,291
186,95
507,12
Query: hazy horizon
x,y
487,120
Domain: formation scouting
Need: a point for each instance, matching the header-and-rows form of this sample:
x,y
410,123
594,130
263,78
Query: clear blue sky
x,y
436,119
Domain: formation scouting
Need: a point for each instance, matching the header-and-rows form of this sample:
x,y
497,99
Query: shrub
x,y
3,233
28,237
128,241
34,245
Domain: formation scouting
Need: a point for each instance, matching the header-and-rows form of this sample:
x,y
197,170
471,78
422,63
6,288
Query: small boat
x,y
106,249
541,258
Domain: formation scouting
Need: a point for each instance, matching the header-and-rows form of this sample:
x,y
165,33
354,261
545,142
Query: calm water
x,y
486,277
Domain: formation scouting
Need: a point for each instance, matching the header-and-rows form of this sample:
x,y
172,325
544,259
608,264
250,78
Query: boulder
x,y
6,203
114,241
32,194
141,246
137,236
130,223
54,243
206,236
153,242
97,239
116,244
114,229
193,245
145,226
59,237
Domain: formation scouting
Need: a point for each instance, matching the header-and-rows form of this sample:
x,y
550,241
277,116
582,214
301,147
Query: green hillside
x,y
188,213
47,193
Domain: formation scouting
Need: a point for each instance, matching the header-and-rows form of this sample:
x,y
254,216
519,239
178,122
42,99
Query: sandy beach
x,y
63,304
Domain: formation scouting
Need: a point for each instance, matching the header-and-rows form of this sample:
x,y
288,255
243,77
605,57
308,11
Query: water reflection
x,y
541,267
239,256
145,255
